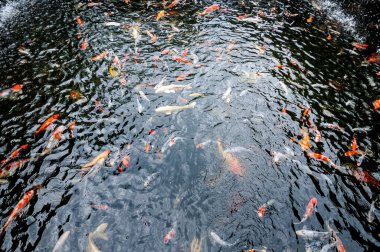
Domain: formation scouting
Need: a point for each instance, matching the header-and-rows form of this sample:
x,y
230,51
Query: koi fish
x,y
305,142
97,163
182,77
79,21
376,104
218,240
329,37
54,140
84,44
310,234
184,53
319,157
233,162
150,178
180,59
203,144
227,95
360,46
71,127
61,240
169,236
160,14
340,246
171,109
209,9
196,245
365,177
98,233
310,19
46,124
15,154
99,56
20,205
15,88
147,147
311,207
99,207
153,37
332,126
195,95
11,168
262,208
171,88
143,96
140,108
371,212
354,149
318,135
171,5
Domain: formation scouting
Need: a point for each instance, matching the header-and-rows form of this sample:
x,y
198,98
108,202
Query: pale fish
x,y
98,233
3,181
251,20
150,178
195,95
195,58
329,246
175,29
282,84
170,142
227,95
143,96
171,109
171,88
112,24
310,234
371,212
140,108
196,245
216,239
61,241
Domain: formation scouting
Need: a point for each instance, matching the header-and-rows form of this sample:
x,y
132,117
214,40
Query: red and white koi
x,y
54,140
310,208
15,154
11,168
47,123
15,89
169,236
263,208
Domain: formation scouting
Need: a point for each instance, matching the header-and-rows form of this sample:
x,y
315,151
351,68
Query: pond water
x,y
263,87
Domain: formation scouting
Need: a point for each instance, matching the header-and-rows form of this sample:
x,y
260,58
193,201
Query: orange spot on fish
x,y
79,21
17,87
84,44
310,19
376,104
209,9
47,123
147,147
99,56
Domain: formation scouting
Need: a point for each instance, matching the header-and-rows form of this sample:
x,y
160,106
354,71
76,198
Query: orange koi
x,y
242,16
359,46
233,162
263,208
329,37
182,77
374,58
46,124
310,19
11,168
169,236
180,59
319,157
184,53
171,5
354,149
79,21
318,135
20,205
17,87
84,44
15,154
152,132
305,142
147,146
365,177
340,246
279,66
160,14
378,74
166,51
153,37
209,9
311,207
376,104
99,56
72,125
283,110
97,160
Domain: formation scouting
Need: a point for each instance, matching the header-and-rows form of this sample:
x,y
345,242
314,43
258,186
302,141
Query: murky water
x,y
210,167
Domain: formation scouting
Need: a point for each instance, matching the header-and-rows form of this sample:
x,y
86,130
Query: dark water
x,y
195,193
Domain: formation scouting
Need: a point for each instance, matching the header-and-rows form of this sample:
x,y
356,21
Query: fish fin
x,y
100,232
297,223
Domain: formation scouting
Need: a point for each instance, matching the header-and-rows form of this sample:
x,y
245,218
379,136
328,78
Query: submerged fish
x,y
100,56
143,96
150,178
209,9
227,95
54,140
340,246
97,163
171,88
233,162
11,168
169,236
171,109
47,123
15,154
311,207
14,89
20,205
216,239
196,245
60,241
98,233
371,212
310,234
263,207
139,106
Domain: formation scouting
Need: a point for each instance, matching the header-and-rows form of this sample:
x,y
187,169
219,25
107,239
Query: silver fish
x,y
150,178
227,95
312,234
140,108
170,109
371,212
143,96
218,240
98,233
60,241
171,88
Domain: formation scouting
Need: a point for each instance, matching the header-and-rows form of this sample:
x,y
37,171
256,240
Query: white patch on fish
x,y
310,234
170,109
218,240
143,96
61,240
98,233
140,108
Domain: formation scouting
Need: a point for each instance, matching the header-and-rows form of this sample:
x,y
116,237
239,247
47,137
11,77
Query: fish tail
x,y
4,228
100,232
296,223
192,105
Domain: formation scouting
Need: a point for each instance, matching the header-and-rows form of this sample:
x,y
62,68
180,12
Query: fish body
x,y
15,88
61,241
216,239
376,104
143,96
14,154
153,37
112,24
181,59
100,56
150,178
227,95
263,208
97,162
171,88
332,126
84,44
371,212
310,234
319,157
340,246
140,108
160,14
79,21
310,208
233,162
11,168
20,205
171,109
305,142
98,233
169,236
54,139
209,9
47,123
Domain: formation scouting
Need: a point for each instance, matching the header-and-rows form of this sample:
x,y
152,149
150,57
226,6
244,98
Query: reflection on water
x,y
135,127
